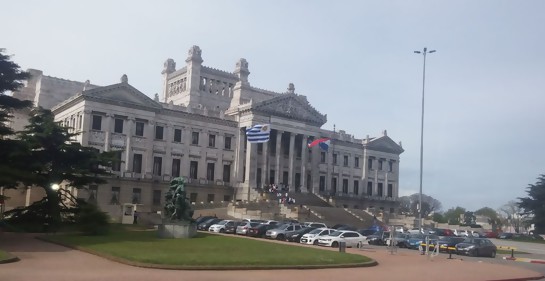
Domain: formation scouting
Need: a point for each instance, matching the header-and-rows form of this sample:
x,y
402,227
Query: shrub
x,y
91,221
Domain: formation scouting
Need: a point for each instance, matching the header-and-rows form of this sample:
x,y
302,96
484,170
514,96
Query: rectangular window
x,y
334,185
345,186
356,162
139,129
116,164
227,173
116,190
370,163
137,163
210,171
193,169
118,126
177,135
356,187
390,190
80,122
272,174
380,165
228,143
370,188
211,140
176,163
195,138
157,165
334,159
322,183
193,197
93,194
380,192
156,197
159,132
322,156
345,161
136,195
390,166
226,198
210,198
97,122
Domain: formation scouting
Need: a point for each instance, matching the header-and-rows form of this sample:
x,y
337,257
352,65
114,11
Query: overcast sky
x,y
485,86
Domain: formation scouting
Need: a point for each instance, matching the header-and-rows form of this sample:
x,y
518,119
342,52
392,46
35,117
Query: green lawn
x,y
204,250
3,255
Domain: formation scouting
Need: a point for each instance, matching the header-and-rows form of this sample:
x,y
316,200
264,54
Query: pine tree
x,y
534,204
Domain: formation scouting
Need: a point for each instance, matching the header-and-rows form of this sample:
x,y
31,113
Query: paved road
x,y
44,261
533,248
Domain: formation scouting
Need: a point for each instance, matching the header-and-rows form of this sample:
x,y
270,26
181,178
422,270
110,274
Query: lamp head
x,y
55,187
417,52
432,51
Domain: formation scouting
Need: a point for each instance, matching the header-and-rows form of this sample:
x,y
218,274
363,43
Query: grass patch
x,y
204,250
3,255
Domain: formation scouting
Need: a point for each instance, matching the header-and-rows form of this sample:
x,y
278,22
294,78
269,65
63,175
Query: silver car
x,y
280,231
242,229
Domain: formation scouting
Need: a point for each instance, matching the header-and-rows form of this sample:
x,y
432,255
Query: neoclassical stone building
x,y
196,129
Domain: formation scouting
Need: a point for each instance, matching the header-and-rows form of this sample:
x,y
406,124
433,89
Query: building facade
x,y
196,129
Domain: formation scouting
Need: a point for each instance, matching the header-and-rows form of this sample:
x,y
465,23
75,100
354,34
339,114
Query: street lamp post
x,y
423,52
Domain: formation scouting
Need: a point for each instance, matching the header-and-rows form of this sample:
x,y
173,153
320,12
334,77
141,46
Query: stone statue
x,y
177,206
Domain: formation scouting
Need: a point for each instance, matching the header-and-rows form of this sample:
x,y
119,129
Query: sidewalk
x,y
45,261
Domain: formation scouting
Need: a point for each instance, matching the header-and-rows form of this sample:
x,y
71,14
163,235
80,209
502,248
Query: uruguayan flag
x,y
259,133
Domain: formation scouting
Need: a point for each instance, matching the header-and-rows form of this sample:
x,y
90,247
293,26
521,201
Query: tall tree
x,y
409,205
53,157
533,204
453,215
11,79
493,218
514,214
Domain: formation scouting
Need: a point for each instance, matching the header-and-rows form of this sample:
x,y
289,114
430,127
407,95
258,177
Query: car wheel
x,y
280,237
335,244
359,245
493,254
315,242
222,230
472,253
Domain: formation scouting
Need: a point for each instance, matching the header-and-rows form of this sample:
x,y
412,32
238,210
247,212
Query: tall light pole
x,y
423,52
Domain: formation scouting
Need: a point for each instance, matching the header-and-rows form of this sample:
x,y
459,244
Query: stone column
x,y
108,132
304,162
168,137
315,168
278,157
220,144
239,157
265,164
86,127
203,147
185,161
291,160
251,167
128,143
148,159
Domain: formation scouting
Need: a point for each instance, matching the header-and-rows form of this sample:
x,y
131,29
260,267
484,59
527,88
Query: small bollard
x,y
342,247
449,253
512,253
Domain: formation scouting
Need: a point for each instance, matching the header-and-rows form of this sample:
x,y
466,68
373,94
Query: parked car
x,y
449,242
442,232
313,236
491,234
314,224
378,238
219,226
367,232
400,240
242,229
200,220
476,247
295,236
416,240
207,223
279,232
273,222
232,228
351,238
253,220
506,235
259,230
343,227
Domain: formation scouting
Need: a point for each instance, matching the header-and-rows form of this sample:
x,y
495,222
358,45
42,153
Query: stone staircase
x,y
332,216
365,217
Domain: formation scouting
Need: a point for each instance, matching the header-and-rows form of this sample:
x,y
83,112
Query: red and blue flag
x,y
323,143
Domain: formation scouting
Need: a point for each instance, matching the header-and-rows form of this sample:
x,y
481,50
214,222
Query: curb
x,y
525,260
189,267
11,258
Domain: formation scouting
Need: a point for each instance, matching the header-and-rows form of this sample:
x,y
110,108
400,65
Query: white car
x,y
311,238
351,238
314,224
220,226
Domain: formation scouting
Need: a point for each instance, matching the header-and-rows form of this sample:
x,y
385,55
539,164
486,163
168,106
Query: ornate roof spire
x,y
124,79
291,88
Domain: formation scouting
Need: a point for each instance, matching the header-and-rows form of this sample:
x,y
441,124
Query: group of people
x,y
281,192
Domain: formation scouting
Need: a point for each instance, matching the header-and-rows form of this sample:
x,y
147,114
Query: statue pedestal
x,y
183,229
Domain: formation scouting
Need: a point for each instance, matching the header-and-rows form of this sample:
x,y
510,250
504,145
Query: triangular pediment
x,y
291,106
385,144
122,93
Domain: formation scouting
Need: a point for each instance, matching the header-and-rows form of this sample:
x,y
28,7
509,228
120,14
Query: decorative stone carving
x,y
118,140
291,106
156,97
291,88
169,66
124,79
241,70
194,54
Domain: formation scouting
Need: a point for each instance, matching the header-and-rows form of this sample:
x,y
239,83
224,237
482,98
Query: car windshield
x,y
336,233
223,222
316,231
254,224
417,236
470,240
